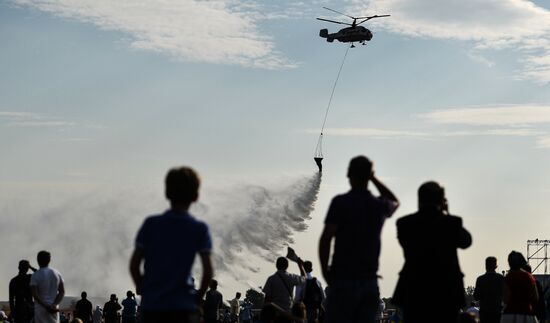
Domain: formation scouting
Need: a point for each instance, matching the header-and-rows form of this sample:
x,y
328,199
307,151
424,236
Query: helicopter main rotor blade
x,y
371,17
339,12
336,22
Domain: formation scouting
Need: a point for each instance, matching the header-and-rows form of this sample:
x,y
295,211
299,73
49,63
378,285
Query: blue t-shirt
x,y
359,217
170,242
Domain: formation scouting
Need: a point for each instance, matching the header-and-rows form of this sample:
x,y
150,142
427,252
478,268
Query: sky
x,y
99,99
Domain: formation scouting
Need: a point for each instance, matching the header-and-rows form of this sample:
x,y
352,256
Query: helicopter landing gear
x,y
352,45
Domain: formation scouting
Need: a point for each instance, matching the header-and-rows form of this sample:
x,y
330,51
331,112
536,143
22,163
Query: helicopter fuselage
x,y
348,35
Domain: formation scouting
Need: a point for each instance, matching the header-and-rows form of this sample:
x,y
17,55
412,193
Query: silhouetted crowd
x,y
167,244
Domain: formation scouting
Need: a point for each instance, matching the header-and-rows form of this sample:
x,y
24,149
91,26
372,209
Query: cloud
x,y
520,25
30,119
513,115
215,31
526,120
544,142
369,132
377,133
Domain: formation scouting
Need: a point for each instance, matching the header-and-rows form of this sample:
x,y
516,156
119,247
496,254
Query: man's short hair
x,y
238,295
213,284
83,294
24,265
282,263
490,263
113,297
182,185
360,168
308,266
43,258
431,194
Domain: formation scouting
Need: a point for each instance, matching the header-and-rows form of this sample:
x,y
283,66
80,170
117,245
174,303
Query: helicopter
x,y
352,34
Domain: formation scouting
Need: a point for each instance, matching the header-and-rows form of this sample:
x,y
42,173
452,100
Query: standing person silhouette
x,y
489,289
83,308
354,220
48,290
20,294
430,239
167,244
213,303
520,292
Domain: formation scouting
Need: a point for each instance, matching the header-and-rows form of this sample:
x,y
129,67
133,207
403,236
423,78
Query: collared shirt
x,y
359,217
279,286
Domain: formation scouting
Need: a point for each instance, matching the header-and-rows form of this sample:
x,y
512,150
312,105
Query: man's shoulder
x,y
167,218
490,276
407,220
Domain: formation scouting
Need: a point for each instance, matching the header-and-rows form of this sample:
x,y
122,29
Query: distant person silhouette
x,y
311,294
278,288
98,314
212,303
355,220
235,307
48,290
83,308
130,305
20,294
167,244
520,292
488,292
430,239
110,310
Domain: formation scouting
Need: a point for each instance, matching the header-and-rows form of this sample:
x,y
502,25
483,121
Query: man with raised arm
x,y
167,244
354,221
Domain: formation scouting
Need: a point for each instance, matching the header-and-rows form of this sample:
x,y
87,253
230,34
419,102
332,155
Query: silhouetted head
x,y
238,295
431,195
282,263
43,258
490,263
182,185
516,260
308,266
24,266
113,297
84,295
129,294
213,284
359,171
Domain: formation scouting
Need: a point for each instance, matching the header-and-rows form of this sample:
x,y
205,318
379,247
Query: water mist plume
x,y
91,234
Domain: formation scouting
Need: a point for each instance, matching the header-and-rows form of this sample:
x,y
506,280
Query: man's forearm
x,y
207,274
324,251
135,263
384,191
